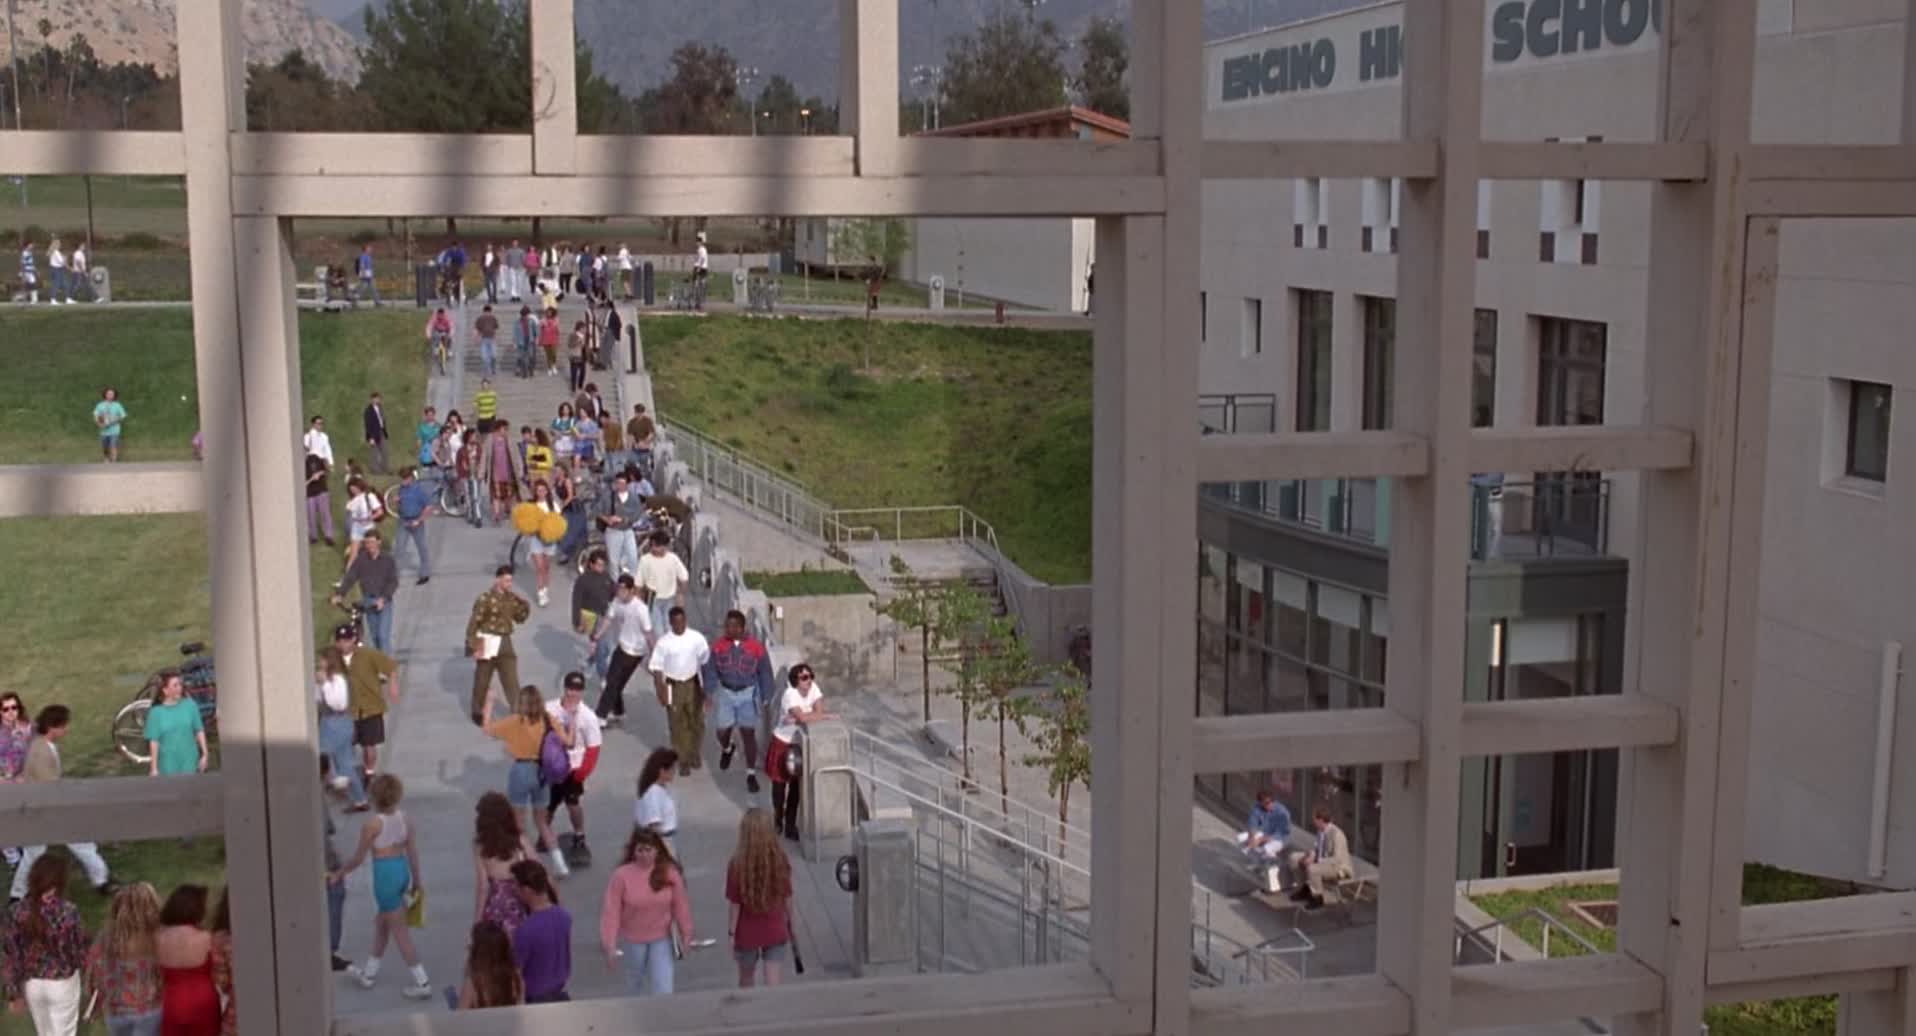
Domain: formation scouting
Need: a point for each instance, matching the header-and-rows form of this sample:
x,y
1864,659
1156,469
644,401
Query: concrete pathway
x,y
447,764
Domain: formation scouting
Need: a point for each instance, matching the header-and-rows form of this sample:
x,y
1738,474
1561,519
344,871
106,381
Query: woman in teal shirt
x,y
175,734
107,417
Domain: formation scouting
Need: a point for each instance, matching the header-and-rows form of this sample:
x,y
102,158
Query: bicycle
x,y
441,351
455,498
202,685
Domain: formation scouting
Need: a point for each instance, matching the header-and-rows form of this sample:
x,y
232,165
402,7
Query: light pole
x,y
930,79
744,77
805,121
13,52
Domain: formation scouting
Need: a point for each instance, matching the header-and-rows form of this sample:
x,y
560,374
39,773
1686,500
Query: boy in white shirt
x,y
663,577
678,657
568,712
630,621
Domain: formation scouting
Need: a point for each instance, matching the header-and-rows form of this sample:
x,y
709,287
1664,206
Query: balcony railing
x,y
1568,516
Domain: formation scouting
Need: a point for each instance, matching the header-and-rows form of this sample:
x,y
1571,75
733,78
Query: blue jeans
x,y
379,624
735,709
335,913
488,357
417,535
648,962
622,553
575,529
662,614
60,289
602,655
336,743
134,1024
367,287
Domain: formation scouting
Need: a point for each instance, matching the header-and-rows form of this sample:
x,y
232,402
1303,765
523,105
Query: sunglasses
x,y
804,678
10,707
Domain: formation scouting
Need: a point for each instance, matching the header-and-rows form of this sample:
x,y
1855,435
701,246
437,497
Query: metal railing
x,y
1057,857
897,524
1495,943
1237,413
725,471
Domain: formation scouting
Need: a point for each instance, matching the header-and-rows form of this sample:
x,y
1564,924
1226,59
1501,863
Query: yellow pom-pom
x,y
552,528
525,518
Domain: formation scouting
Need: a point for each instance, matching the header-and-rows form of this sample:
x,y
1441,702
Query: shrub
x,y
140,239
363,236
35,233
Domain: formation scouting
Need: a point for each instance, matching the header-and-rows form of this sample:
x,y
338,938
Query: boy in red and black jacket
x,y
740,676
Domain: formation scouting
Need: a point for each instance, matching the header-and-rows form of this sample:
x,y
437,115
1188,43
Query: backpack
x,y
555,766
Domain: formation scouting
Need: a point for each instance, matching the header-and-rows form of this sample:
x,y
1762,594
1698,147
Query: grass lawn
x,y
996,419
796,289
1801,1016
137,586
807,583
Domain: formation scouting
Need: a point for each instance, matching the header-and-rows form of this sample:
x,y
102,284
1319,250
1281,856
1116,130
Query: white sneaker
x,y
421,991
558,863
358,974
544,598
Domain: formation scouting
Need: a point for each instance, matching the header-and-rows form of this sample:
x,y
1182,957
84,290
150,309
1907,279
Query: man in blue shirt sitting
x,y
1266,829
414,507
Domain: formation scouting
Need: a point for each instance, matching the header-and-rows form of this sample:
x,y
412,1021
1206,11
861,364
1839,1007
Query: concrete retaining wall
x,y
841,635
1046,614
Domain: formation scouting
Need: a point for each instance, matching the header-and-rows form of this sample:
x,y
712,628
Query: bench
x,y
1343,895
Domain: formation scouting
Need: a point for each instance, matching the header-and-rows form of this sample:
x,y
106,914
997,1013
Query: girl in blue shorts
x,y
387,838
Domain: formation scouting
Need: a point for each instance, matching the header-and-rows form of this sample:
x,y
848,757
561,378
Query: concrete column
x,y
829,791
1880,1013
884,928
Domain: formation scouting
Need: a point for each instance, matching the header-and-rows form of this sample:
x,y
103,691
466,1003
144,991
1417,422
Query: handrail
x,y
1043,819
968,526
751,482
1508,924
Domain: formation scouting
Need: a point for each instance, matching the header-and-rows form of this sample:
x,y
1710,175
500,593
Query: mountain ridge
x,y
143,32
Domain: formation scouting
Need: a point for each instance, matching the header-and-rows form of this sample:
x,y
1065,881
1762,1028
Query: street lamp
x,y
930,79
744,77
805,121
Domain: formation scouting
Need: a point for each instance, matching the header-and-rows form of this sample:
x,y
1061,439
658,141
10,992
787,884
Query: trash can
x,y
645,283
424,281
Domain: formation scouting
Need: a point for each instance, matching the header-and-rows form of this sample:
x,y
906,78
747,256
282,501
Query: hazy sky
x,y
333,8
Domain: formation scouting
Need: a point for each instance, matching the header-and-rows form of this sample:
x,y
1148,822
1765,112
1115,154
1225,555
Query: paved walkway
x,y
447,764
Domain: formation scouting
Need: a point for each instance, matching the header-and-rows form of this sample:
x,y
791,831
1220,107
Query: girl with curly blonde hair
x,y
120,967
758,885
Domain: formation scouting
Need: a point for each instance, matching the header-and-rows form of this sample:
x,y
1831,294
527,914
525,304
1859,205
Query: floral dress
x,y
127,988
13,750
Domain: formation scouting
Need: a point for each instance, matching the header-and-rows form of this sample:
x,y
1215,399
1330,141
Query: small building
x,y
1043,263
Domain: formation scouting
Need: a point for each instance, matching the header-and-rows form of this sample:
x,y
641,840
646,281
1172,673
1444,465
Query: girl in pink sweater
x,y
643,902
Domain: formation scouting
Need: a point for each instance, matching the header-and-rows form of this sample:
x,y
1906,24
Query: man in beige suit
x,y
1330,860
43,766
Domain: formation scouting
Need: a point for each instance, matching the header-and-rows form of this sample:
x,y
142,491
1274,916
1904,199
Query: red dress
x,y
190,1005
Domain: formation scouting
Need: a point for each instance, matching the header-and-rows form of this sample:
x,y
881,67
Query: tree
x,y
1060,725
960,617
296,95
1005,667
1101,81
463,66
778,106
699,97
1009,66
915,607
877,244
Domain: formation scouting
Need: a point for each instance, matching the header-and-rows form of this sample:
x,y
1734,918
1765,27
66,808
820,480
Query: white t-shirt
x,y
662,575
786,729
320,445
625,258
56,259
656,810
633,620
703,260
79,258
680,656
360,512
331,692
583,726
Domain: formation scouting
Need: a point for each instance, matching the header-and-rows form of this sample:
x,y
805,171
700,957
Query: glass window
x,y
1380,343
1570,372
1253,327
1866,455
1313,361
1483,370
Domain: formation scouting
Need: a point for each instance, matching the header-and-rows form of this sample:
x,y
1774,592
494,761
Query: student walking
x,y
42,766
108,416
45,950
489,640
376,574
644,904
758,885
363,266
62,293
336,728
592,596
366,668
628,623
542,947
549,340
800,706
335,887
504,470
579,728
663,577
523,732
387,837
121,969
189,1001
657,811
415,506
319,502
740,679
525,335
374,420
487,327
537,548
677,659
222,929
498,842
623,517
492,975
174,732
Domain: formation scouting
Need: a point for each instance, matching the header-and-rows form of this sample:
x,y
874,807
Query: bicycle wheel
x,y
391,498
452,498
518,551
129,731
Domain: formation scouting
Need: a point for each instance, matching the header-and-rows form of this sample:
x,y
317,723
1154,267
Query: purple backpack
x,y
555,766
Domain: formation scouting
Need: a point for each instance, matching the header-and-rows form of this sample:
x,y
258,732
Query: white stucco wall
x,y
1030,262
1837,564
